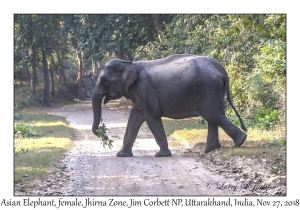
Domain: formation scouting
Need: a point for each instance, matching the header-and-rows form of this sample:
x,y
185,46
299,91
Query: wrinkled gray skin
x,y
177,87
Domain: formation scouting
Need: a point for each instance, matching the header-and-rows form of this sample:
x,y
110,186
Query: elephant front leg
x,y
136,119
156,127
212,138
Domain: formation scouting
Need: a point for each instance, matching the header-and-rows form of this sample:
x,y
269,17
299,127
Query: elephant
x,y
178,86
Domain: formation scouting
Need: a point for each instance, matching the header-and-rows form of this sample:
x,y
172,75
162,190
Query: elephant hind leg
x,y
239,141
212,138
233,131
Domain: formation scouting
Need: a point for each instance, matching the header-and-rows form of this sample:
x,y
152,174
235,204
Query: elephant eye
x,y
106,87
103,81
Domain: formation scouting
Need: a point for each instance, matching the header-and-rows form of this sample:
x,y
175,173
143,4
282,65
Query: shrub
x,y
18,116
23,130
266,118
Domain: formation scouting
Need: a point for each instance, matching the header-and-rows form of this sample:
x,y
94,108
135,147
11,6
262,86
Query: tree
x,y
60,48
73,26
25,40
48,27
115,34
46,97
158,26
35,35
79,75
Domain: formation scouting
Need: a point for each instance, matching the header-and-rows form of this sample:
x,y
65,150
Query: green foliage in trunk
x,y
101,131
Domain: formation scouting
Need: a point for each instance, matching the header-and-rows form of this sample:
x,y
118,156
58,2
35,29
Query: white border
x,y
137,7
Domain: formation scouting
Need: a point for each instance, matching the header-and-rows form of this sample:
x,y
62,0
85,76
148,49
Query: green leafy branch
x,y
101,133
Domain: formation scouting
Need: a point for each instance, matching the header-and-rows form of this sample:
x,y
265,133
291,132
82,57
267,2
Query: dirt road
x,y
89,169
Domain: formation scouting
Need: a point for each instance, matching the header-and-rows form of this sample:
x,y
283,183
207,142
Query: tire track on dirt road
x,y
96,171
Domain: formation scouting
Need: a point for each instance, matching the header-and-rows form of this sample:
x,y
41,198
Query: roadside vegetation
x,y
39,140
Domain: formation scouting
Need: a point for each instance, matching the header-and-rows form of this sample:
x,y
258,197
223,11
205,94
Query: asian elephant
x,y
178,86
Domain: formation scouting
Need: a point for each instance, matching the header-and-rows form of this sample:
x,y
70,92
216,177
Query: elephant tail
x,y
229,99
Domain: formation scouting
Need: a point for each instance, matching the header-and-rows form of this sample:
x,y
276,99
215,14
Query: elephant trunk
x,y
96,104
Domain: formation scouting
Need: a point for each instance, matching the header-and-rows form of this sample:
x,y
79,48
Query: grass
x,y
192,129
259,143
172,125
34,156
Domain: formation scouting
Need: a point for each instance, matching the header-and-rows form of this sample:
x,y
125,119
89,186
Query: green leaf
x,y
101,132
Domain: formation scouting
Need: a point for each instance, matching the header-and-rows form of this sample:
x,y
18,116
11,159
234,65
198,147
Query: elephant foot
x,y
210,148
163,153
123,153
241,140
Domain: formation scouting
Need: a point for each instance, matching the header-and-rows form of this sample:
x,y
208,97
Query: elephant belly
x,y
179,109
181,115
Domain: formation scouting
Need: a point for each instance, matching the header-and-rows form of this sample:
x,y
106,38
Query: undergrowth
x,y
39,140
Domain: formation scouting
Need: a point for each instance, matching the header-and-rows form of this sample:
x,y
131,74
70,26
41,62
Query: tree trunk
x,y
33,75
27,72
84,70
79,76
51,69
130,57
95,67
46,97
98,67
36,79
158,26
62,77
119,54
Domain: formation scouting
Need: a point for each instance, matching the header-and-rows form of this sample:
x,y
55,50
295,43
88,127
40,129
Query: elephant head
x,y
112,84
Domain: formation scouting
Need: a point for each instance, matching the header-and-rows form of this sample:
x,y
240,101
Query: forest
x,y
54,54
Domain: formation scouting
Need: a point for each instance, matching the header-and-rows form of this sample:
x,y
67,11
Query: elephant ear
x,y
128,74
